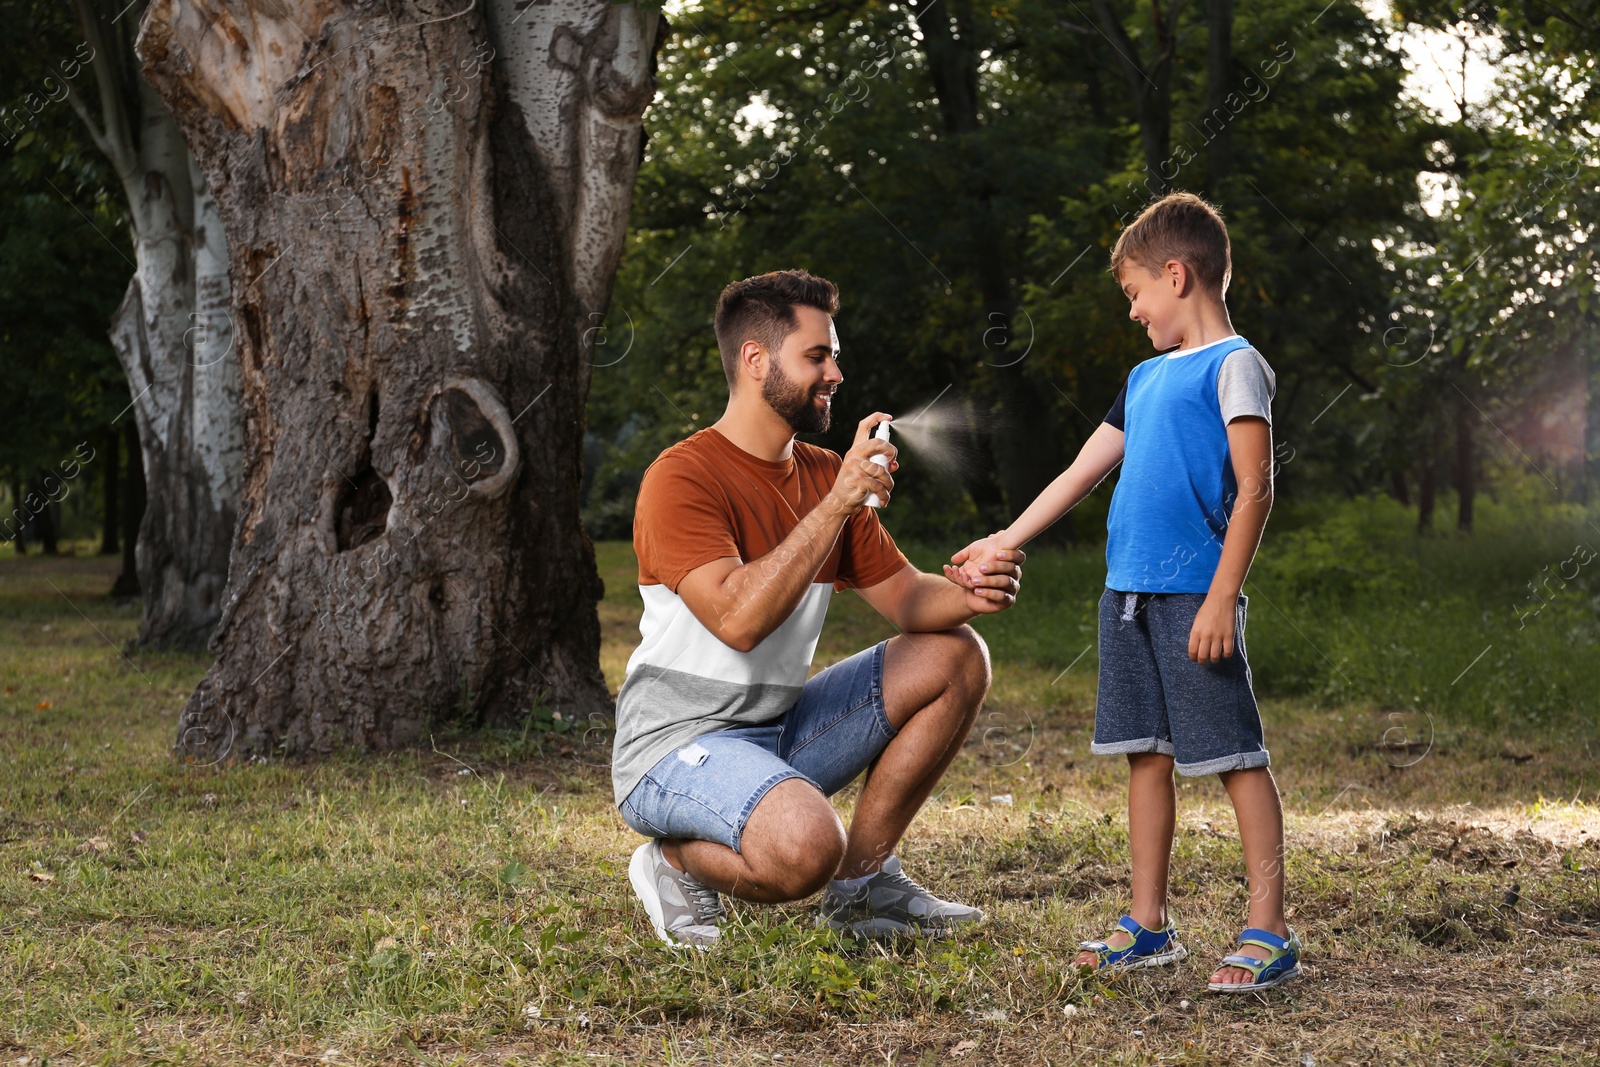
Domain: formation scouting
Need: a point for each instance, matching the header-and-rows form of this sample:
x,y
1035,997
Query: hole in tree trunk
x,y
479,452
362,511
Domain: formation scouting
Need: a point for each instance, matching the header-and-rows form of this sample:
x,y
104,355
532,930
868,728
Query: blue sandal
x,y
1150,948
1282,965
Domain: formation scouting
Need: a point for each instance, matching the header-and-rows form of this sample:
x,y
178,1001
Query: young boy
x,y
1192,430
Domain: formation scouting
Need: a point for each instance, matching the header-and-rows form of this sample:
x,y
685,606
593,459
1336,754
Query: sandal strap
x,y
1130,924
1265,938
1138,933
1247,963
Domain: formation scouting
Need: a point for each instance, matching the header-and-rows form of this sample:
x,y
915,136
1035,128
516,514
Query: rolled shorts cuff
x,y
1141,744
704,821
756,796
1244,761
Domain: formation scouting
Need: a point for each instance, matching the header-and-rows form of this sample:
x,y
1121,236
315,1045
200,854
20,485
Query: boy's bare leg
x,y
1152,818
1260,812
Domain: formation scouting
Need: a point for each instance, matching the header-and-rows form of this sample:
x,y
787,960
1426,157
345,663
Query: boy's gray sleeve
x,y
1245,386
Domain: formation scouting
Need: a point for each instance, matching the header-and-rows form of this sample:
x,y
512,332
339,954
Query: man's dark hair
x,y
1183,227
762,309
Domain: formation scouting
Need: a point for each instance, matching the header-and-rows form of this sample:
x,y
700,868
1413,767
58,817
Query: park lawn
x,y
468,903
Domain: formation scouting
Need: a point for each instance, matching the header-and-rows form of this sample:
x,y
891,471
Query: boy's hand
x,y
1211,638
976,561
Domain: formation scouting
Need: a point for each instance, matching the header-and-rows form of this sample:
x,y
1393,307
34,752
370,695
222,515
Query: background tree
x,y
424,207
171,331
64,262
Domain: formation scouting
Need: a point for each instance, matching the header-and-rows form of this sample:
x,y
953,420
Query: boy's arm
x,y
1099,456
1250,441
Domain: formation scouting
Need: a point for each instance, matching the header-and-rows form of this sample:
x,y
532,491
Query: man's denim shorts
x,y
706,790
1154,698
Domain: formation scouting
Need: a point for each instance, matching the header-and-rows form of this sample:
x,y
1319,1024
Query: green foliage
x,y
820,139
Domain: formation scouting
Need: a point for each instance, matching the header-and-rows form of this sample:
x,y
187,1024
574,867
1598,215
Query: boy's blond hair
x,y
1183,227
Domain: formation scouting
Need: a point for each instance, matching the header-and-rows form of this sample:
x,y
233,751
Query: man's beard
x,y
794,403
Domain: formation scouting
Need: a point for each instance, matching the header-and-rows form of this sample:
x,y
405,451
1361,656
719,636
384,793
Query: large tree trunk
x,y
425,208
184,386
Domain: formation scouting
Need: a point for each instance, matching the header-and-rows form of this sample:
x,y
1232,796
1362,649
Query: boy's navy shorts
x,y
1154,698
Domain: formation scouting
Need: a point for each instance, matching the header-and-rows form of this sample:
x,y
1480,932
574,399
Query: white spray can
x,y
882,434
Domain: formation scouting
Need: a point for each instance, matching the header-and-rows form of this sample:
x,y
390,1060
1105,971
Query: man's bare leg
x,y
933,686
792,845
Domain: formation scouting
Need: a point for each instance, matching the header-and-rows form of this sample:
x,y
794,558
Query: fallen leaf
x,y
138,837
41,876
43,705
95,844
961,1048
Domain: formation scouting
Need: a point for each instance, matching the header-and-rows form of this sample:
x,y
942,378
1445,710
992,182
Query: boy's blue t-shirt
x,y
1175,494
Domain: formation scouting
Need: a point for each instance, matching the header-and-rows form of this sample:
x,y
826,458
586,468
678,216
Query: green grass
x,y
468,901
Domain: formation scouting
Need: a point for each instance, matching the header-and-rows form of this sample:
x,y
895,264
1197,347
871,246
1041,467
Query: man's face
x,y
1154,301
803,375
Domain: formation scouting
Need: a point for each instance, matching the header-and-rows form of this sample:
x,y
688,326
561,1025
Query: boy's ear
x,y
1177,274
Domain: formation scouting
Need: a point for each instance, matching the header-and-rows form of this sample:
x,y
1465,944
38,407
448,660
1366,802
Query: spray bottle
x,y
881,432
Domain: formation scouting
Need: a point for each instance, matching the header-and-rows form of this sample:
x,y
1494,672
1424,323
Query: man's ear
x,y
753,360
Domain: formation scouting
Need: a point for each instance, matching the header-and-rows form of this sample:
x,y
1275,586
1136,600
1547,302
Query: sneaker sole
x,y
640,874
881,929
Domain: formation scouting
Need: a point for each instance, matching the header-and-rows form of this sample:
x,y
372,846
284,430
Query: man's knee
x,y
807,857
794,841
971,655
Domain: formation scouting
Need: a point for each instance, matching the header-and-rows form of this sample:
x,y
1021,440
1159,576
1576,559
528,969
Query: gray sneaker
x,y
891,905
684,912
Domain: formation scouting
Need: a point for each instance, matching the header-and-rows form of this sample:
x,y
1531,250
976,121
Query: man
x,y
725,754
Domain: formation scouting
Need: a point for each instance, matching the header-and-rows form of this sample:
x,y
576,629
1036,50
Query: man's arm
x,y
925,603
742,603
1250,441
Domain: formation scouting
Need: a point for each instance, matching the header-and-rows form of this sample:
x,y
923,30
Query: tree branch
x,y
1111,27
114,135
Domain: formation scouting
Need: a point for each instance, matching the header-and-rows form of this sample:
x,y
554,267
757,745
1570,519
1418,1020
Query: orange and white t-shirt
x,y
705,499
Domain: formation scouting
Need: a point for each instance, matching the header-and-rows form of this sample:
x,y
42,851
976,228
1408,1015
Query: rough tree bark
x,y
185,387
425,205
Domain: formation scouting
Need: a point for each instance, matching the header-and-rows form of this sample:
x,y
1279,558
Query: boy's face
x,y
1154,300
